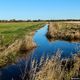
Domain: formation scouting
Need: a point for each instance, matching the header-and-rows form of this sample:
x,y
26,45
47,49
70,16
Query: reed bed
x,y
64,31
55,68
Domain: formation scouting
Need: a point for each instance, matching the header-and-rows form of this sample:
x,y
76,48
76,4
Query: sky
x,y
39,9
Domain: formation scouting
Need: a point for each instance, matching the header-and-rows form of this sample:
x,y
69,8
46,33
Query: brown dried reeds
x,y
25,44
55,68
64,31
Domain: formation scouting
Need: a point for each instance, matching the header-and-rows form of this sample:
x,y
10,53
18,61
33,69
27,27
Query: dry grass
x,y
55,68
24,43
27,43
64,31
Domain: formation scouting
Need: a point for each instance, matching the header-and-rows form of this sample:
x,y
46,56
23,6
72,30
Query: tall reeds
x,y
55,68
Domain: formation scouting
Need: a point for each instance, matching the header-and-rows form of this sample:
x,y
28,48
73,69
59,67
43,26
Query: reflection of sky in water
x,y
45,48
49,48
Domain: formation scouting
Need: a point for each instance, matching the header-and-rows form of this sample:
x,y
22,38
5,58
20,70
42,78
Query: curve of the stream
x,y
44,48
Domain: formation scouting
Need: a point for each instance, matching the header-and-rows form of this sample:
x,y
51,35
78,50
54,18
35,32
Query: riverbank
x,y
22,41
53,57
57,69
69,31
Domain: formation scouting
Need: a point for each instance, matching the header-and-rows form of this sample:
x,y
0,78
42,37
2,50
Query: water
x,y
47,48
44,48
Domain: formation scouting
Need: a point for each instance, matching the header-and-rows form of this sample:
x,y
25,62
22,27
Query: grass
x,y
64,31
55,68
16,37
9,32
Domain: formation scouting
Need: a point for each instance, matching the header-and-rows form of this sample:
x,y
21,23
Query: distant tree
x,y
12,20
28,20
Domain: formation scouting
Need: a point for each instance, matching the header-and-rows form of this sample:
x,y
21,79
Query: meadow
x,y
16,36
9,32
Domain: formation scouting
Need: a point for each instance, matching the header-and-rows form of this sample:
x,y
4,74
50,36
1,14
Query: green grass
x,y
9,32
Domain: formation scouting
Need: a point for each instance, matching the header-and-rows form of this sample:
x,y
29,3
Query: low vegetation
x,y
9,32
64,31
15,37
55,68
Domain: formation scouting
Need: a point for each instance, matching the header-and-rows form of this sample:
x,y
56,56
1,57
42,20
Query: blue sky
x,y
39,9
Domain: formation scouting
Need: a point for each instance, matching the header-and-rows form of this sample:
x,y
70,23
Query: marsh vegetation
x,y
15,37
46,61
69,31
54,68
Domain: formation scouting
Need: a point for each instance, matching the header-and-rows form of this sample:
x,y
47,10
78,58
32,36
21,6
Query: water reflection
x,y
44,48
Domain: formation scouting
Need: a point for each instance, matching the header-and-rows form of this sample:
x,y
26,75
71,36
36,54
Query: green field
x,y
11,31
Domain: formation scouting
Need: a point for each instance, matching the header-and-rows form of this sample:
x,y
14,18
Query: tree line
x,y
39,20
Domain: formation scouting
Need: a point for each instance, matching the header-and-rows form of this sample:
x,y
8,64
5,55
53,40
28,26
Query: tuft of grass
x,y
54,69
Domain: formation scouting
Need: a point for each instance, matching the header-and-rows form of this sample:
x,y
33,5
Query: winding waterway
x,y
44,48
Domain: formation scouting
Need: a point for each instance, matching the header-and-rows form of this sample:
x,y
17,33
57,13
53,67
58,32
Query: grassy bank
x,y
9,32
15,37
64,30
55,68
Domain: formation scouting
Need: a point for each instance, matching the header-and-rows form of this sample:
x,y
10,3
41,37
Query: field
x,y
18,36
9,32
14,37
